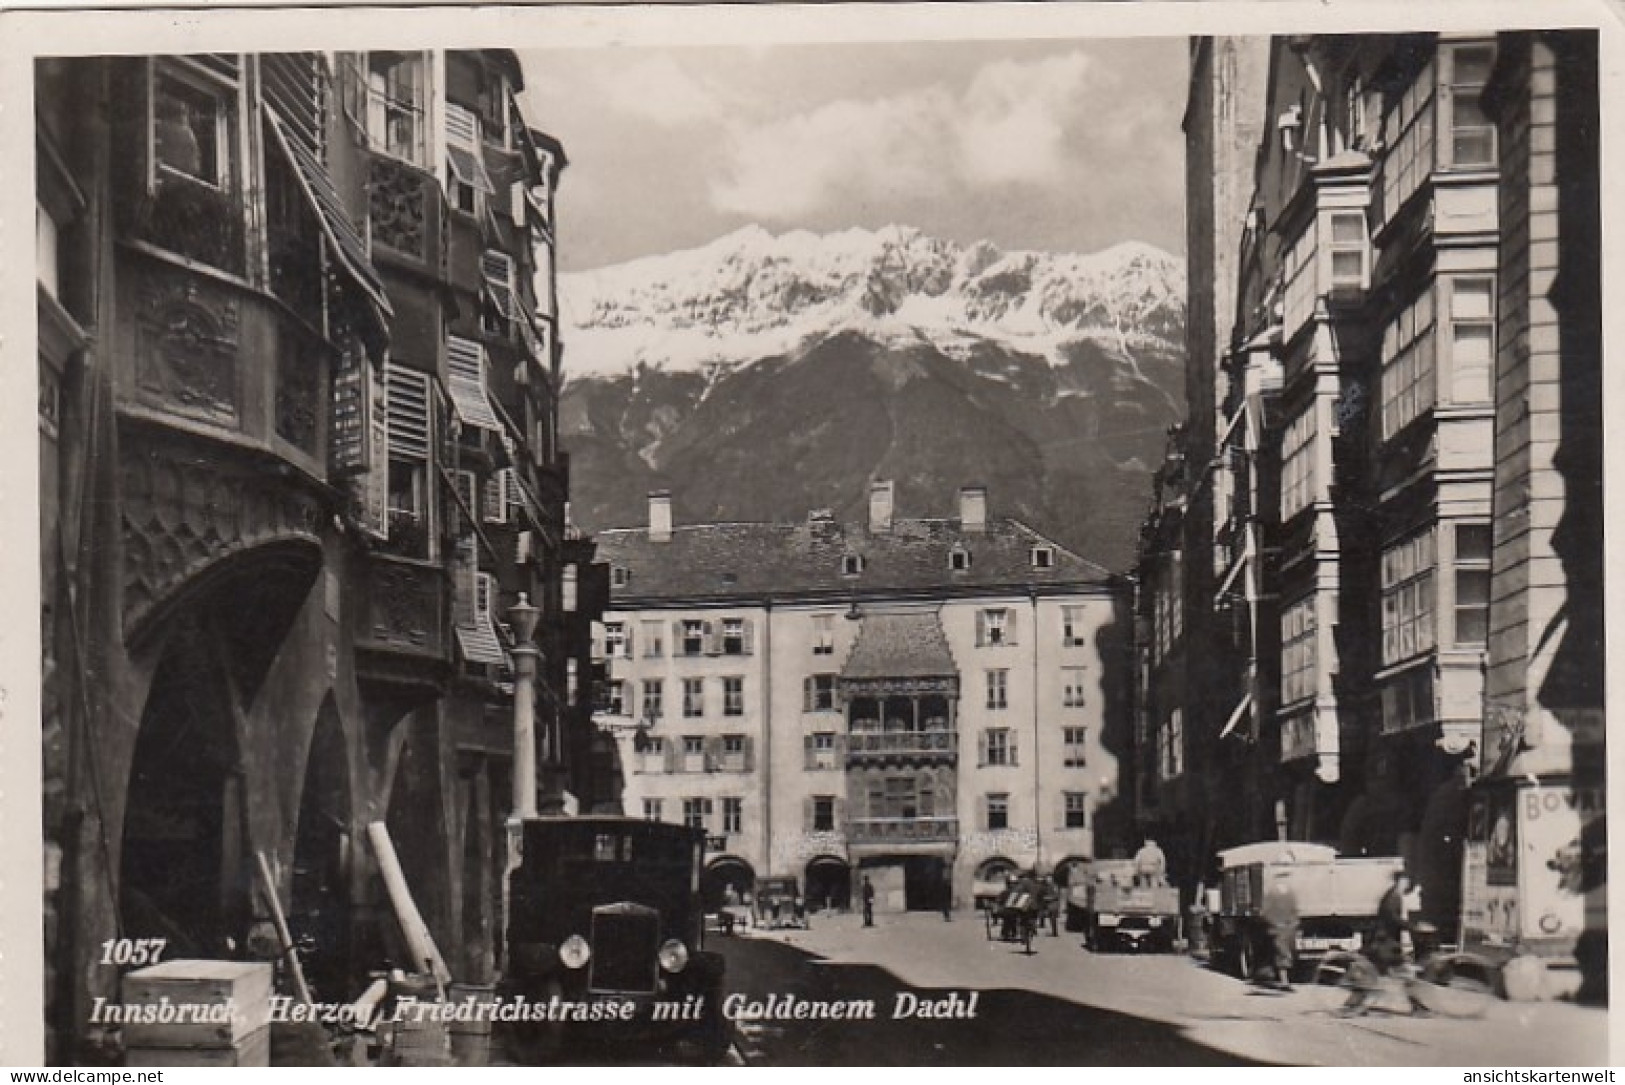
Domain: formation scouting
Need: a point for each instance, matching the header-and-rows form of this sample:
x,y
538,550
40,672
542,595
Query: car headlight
x,y
1156,921
575,952
673,956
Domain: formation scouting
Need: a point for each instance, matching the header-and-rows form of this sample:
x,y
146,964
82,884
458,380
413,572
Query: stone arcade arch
x,y
320,909
827,883
720,873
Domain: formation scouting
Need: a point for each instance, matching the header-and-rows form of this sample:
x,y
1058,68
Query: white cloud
x,y
659,89
1008,127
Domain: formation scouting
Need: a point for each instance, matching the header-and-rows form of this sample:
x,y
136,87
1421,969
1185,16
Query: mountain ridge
x,y
761,376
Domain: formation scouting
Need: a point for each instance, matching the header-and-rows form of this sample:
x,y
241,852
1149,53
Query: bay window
x,y
1408,598
1298,463
1408,365
1472,584
1298,651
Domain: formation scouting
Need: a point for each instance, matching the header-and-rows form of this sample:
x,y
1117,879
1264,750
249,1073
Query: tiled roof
x,y
756,560
909,644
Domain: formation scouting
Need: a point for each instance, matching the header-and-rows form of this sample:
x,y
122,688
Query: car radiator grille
x,y
624,949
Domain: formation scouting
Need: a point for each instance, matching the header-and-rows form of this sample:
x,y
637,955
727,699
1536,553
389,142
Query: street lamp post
x,y
523,618
525,652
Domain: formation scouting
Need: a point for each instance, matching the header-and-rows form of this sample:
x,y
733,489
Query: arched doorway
x,y
721,874
319,914
828,881
182,868
1072,870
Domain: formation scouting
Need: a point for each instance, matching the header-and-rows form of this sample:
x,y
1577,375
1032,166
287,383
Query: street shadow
x,y
1012,1027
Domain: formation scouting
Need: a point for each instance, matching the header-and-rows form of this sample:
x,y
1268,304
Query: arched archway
x,y
319,913
182,871
996,869
828,882
721,873
1071,870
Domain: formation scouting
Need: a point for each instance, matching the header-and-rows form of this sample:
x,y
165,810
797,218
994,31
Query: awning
x,y
1237,716
466,167
473,406
479,644
348,248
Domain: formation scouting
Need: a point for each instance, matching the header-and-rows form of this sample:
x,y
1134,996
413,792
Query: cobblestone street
x,y
1063,1004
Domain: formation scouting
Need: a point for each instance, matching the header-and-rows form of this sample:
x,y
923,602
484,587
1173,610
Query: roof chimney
x,y
880,505
660,516
973,509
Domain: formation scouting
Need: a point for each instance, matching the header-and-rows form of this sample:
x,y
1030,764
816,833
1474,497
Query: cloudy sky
x,y
1053,145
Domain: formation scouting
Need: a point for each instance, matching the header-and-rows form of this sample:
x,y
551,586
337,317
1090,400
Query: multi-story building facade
x,y
1382,438
923,702
298,373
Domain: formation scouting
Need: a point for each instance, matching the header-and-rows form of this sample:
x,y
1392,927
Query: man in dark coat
x,y
1280,914
1387,948
868,902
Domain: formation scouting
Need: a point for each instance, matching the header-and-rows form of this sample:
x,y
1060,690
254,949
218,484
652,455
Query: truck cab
x,y
604,916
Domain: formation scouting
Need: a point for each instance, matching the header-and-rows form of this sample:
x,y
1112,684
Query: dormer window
x,y
620,576
851,564
959,559
1043,557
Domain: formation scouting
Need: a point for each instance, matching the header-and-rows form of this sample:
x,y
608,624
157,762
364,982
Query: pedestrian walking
x,y
947,901
1387,949
868,902
1280,912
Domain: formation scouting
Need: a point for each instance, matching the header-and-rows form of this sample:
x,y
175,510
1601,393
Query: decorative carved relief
x,y
187,347
398,206
404,606
298,398
182,515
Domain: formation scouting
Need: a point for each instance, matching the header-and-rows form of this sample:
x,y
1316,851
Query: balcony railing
x,y
908,743
902,830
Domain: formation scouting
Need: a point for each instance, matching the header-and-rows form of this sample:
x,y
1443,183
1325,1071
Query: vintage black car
x,y
605,917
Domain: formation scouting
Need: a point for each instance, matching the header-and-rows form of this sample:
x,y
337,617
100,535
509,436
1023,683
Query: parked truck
x,y
1337,900
1116,914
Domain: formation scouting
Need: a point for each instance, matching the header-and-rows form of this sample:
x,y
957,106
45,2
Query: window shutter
x,y
749,636
677,638
626,632
711,638
808,751
808,805
750,754
375,498
516,202
807,695
713,753
669,749
494,510
465,584
408,404
1013,757
468,506
982,744
981,628
986,813
838,815
1010,626
840,748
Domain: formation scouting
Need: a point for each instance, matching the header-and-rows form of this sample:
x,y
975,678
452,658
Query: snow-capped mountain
x,y
761,376
751,295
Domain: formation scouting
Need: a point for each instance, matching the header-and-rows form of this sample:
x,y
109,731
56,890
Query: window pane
x,y
1348,228
1473,626
186,129
1473,65
1472,298
1473,542
1473,147
1472,587
1347,267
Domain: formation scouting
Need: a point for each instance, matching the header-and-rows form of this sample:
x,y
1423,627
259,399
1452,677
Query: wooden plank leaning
x,y
278,920
418,939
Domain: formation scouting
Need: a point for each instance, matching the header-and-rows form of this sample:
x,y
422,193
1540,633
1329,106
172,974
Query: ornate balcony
x,y
935,744
860,831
